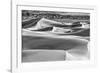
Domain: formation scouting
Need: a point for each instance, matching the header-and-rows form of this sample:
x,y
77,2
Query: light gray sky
x,y
56,12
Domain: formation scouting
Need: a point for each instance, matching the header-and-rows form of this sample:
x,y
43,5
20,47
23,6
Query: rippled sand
x,y
37,47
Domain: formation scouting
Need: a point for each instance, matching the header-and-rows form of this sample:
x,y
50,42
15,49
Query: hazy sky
x,y
54,12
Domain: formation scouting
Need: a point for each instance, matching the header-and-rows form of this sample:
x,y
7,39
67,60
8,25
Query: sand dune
x,y
43,55
40,46
47,25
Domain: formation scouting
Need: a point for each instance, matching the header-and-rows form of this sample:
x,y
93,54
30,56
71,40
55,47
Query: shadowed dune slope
x,y
29,42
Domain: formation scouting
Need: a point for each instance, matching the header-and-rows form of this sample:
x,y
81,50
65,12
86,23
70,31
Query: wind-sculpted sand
x,y
43,46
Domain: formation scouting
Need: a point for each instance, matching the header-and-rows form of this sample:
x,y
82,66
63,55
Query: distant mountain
x,y
55,15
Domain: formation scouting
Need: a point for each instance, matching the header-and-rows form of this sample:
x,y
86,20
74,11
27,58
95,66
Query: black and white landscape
x,y
55,36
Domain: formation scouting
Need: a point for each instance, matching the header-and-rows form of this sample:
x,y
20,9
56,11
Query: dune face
x,y
51,43
30,23
76,48
55,39
43,55
57,27
43,23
